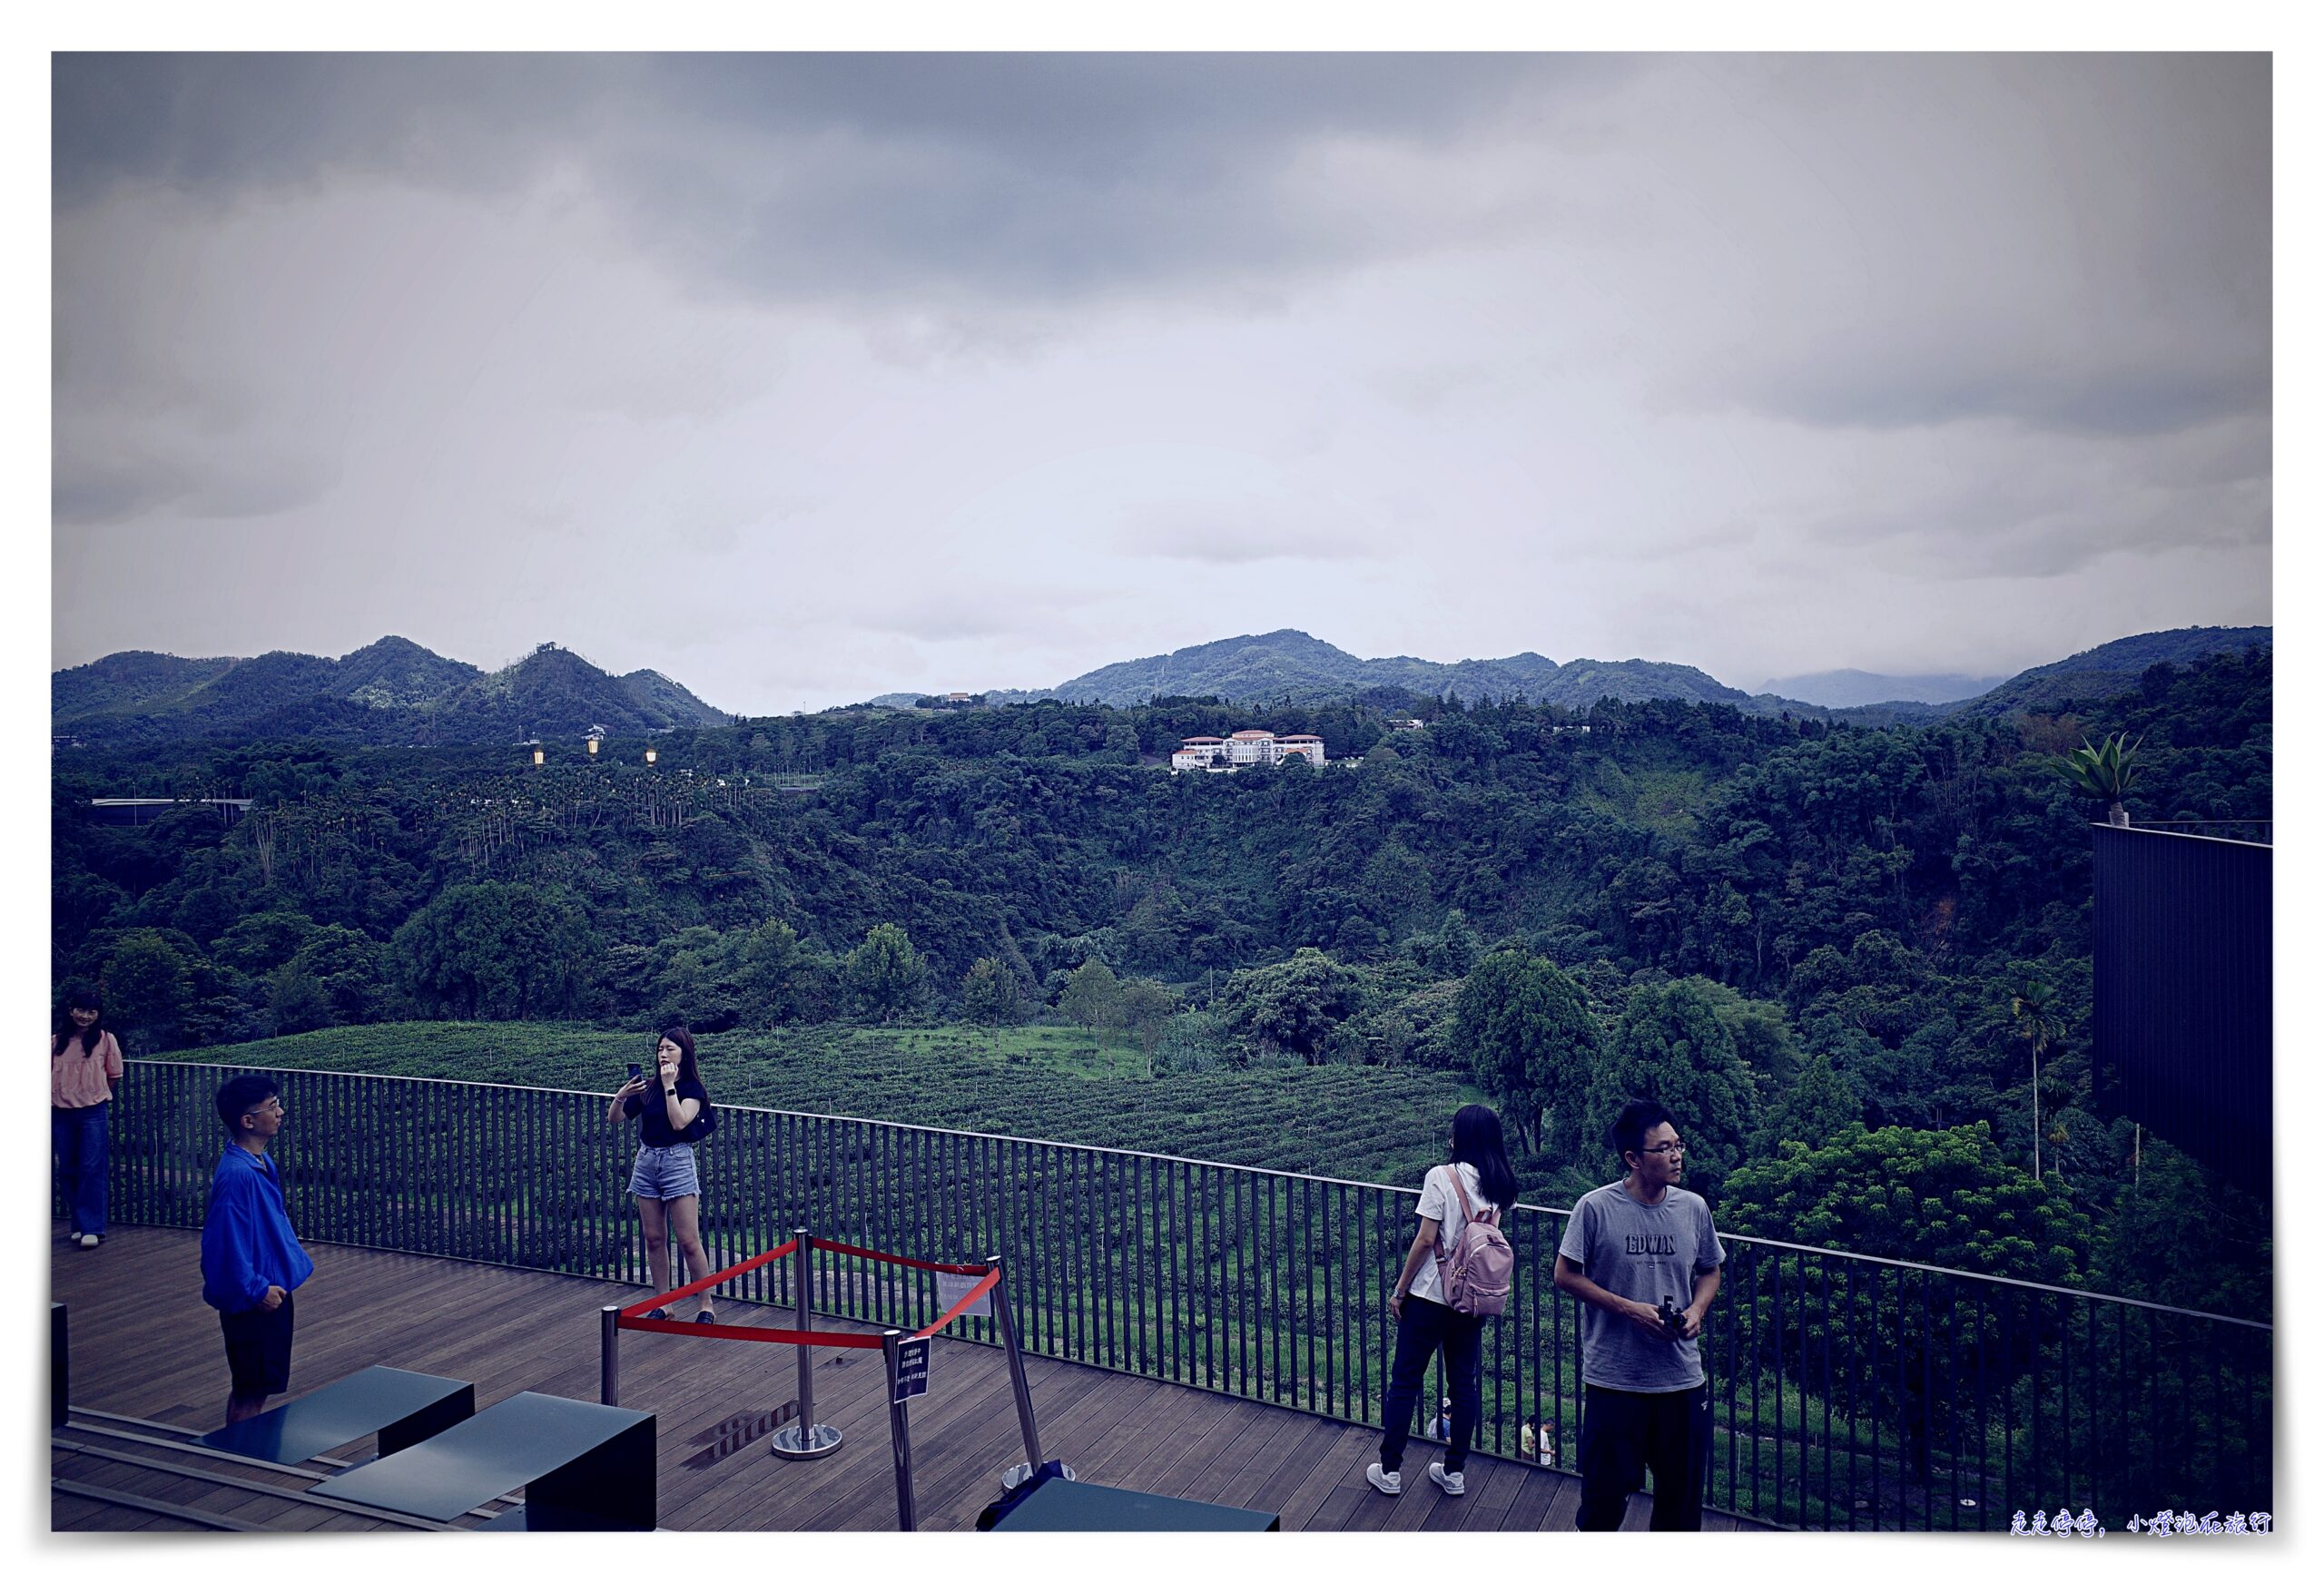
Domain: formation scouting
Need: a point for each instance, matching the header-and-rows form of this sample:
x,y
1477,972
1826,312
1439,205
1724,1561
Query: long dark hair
x,y
681,1036
1476,1142
67,1030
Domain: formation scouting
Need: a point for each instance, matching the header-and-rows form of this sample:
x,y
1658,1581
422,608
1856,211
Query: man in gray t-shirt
x,y
1631,1250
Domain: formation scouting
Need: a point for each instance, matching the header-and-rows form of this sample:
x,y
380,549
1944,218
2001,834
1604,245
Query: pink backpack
x,y
1475,1275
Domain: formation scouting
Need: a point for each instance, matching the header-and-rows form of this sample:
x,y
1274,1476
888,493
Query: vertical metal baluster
x,y
1340,1253
1952,1391
1758,1327
2038,1468
1199,1180
2092,1492
1102,1168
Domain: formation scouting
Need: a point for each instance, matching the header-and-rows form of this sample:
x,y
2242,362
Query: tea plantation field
x,y
1368,1124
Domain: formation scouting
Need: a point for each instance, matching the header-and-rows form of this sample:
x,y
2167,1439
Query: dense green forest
x,y
1799,931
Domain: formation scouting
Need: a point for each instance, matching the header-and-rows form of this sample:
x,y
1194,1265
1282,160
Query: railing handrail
x,y
2165,827
1724,1236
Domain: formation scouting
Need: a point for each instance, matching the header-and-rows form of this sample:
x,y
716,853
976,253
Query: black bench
x,y
401,1407
1076,1505
581,1466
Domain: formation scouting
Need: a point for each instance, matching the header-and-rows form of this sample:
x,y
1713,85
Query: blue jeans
x,y
77,1138
1426,1329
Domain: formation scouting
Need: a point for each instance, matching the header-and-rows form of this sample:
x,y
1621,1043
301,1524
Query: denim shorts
x,y
663,1173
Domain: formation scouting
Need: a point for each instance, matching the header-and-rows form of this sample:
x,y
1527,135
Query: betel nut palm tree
x,y
2104,771
2030,1005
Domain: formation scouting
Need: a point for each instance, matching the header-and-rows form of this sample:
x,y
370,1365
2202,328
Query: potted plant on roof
x,y
2104,771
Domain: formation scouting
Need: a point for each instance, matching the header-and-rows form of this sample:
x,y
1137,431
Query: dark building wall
x,y
2184,973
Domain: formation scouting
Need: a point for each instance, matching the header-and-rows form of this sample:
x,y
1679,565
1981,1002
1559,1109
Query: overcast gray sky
x,y
803,379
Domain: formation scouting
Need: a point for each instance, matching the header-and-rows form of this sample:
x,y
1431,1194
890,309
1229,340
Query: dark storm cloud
x,y
967,177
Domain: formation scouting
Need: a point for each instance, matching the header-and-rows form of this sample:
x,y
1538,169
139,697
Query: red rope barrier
x,y
645,1305
899,1259
633,1316
737,1333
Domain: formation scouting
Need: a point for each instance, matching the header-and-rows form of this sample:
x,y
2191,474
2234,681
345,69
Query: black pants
x,y
1426,1329
1626,1432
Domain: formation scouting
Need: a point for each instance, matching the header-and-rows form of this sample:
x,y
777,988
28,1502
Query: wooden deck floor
x,y
145,1345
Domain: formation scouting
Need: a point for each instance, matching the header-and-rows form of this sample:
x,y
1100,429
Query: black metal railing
x,y
1846,1391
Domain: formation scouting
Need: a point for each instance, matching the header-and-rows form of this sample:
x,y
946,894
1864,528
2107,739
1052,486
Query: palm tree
x,y
2104,771
2030,1007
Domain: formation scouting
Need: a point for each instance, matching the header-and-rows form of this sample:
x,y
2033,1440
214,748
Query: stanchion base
x,y
796,1442
1024,1470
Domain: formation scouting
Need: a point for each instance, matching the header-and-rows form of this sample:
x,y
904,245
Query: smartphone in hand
x,y
635,1071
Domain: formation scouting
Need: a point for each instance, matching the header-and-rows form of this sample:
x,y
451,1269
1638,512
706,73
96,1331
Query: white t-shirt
x,y
1440,1203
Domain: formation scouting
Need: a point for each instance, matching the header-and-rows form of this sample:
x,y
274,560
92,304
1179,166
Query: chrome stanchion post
x,y
609,1354
898,1434
803,1437
1012,1477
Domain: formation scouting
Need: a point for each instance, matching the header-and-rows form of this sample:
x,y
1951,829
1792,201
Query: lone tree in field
x,y
884,973
989,992
1528,1032
1092,998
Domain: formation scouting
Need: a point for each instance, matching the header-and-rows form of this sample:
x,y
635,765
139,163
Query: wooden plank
x,y
1339,1462
1235,1477
152,1349
1564,1508
1488,1505
1532,1503
1181,1456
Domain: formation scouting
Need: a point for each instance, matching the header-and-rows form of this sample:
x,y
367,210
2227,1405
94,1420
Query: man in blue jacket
x,y
250,1258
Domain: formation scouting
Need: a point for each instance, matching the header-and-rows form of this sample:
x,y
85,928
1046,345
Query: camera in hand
x,y
1673,1321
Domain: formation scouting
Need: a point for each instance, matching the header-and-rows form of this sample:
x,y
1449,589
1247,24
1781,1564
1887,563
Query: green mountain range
x,y
1291,666
395,692
391,692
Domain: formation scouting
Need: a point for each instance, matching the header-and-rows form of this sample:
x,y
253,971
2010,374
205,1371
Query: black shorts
x,y
258,1349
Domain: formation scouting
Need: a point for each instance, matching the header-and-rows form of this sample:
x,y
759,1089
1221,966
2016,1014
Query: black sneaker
x,y
705,1317
657,1313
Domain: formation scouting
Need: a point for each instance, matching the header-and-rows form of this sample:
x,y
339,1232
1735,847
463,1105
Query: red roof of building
x,y
1252,736
1190,741
1302,737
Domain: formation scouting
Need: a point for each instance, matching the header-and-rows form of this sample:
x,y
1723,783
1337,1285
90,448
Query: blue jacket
x,y
246,1242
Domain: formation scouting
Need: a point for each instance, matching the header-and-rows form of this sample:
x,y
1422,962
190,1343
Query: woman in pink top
x,y
84,1064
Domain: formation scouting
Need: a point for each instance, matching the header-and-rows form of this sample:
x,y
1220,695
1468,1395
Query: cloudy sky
x,y
803,379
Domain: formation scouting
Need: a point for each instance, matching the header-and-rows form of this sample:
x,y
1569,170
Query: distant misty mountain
x,y
392,692
2113,667
1850,689
1290,665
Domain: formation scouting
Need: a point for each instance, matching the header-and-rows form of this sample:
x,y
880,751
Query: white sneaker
x,y
1386,1483
87,1239
1451,1483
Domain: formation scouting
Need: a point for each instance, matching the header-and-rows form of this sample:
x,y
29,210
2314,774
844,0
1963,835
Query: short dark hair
x,y
238,1096
1637,1118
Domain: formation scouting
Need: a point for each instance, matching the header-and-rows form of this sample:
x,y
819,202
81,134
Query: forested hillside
x,y
1800,926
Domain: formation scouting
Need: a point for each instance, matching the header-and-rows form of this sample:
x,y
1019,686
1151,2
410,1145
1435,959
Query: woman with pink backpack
x,y
1455,1276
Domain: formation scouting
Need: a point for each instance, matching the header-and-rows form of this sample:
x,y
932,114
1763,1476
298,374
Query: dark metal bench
x,y
401,1407
581,1466
1076,1505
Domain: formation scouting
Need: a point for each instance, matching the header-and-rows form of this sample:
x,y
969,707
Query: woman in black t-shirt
x,y
673,1108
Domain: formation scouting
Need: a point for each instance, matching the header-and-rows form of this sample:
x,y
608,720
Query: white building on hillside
x,y
1245,748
